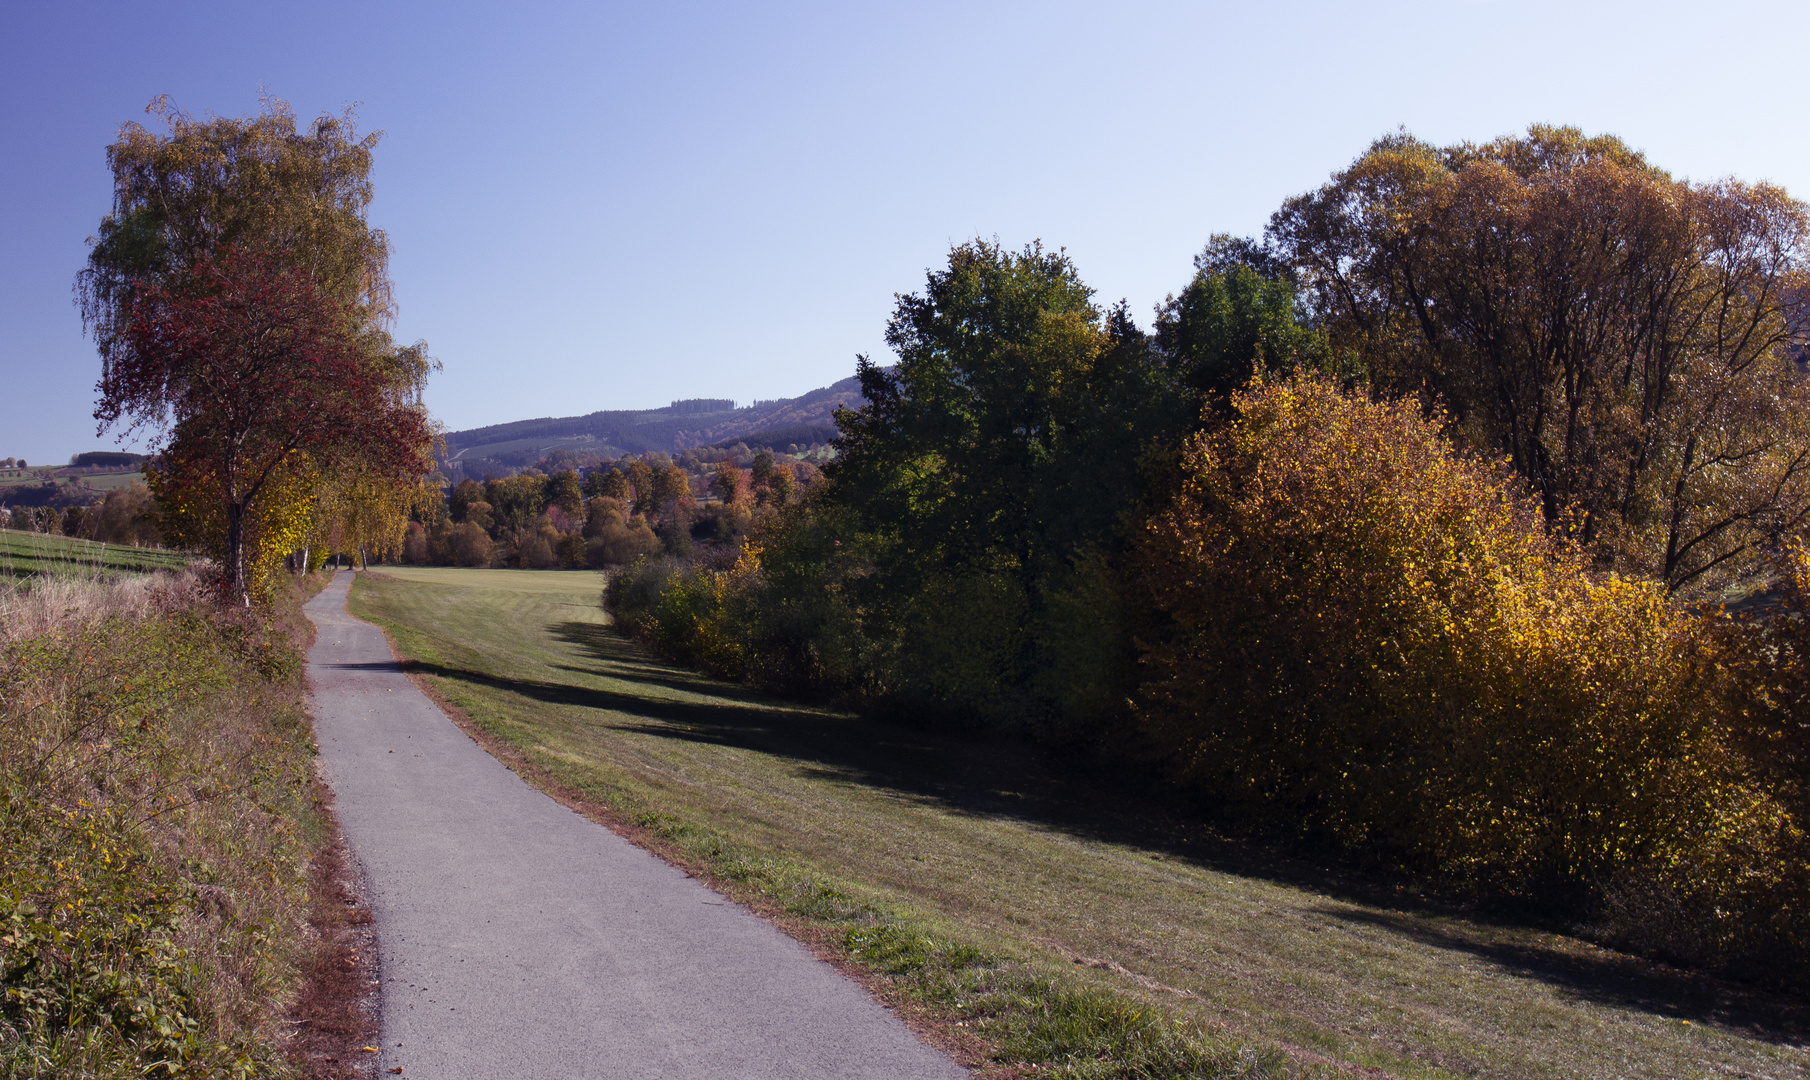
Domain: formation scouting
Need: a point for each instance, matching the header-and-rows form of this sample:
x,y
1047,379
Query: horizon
x,y
612,206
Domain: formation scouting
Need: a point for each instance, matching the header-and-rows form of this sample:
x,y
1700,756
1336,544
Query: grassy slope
x,y
24,553
1030,860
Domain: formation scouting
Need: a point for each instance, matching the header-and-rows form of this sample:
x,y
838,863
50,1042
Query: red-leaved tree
x,y
259,375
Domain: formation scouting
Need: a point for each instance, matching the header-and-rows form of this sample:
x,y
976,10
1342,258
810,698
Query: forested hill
x,y
803,420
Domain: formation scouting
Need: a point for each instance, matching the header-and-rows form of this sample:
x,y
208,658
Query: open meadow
x,y
25,554
1055,866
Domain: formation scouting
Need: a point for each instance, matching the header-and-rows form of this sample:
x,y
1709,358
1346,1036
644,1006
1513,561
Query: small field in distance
x,y
1022,853
25,554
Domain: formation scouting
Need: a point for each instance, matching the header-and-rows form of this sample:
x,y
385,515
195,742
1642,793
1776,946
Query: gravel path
x,y
519,940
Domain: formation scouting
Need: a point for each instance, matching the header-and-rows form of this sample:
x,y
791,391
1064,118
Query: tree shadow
x,y
1611,978
997,776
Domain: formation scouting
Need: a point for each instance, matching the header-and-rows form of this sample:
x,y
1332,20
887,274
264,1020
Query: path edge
x,y
966,1049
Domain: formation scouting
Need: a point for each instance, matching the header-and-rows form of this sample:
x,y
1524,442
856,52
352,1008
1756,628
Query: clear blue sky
x,y
614,205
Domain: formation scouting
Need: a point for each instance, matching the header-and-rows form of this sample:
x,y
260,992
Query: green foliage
x,y
516,500
963,561
565,492
994,369
1210,550
1237,318
607,483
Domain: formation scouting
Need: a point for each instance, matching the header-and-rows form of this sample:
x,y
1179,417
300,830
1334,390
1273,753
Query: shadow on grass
x,y
1610,978
1009,778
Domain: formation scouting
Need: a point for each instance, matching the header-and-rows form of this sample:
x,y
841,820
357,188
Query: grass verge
x,y
1034,918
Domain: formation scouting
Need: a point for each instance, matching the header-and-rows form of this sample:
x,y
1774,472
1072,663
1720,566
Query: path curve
x,y
517,939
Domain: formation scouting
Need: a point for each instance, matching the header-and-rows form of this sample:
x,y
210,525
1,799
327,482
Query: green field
x,y
1017,852
24,554
113,481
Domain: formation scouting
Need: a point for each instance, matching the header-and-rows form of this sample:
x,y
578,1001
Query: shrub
x,y
414,544
618,543
470,545
682,606
1373,640
536,553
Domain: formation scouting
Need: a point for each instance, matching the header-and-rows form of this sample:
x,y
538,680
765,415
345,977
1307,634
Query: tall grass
x,y
34,606
156,825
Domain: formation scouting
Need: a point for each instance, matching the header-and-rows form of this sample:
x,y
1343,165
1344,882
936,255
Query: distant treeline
x,y
106,459
1404,533
785,438
574,511
127,516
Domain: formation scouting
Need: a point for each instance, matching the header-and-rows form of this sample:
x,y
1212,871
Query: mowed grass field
x,y
1022,852
27,554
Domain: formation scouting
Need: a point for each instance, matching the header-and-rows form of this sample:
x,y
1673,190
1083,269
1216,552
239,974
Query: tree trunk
x,y
238,588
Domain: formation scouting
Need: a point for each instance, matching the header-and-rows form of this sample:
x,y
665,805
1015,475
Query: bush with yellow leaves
x,y
1375,641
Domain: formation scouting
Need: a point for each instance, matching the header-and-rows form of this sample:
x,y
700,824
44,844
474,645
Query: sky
x,y
612,206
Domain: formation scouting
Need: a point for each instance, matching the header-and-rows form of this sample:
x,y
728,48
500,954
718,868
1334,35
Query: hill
x,y
808,418
80,484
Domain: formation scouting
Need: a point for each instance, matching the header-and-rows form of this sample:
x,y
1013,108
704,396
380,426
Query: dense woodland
x,y
1456,525
572,512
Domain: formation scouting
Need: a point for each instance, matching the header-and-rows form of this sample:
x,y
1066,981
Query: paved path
x,y
519,940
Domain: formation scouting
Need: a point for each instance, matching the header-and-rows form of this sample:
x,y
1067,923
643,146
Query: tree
x,y
670,487
565,492
369,513
607,484
266,378
127,516
238,298
995,360
1622,337
641,484
517,501
467,492
729,484
182,198
1237,317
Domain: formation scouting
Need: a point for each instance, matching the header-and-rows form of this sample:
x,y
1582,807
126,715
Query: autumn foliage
x,y
269,380
1240,554
1376,640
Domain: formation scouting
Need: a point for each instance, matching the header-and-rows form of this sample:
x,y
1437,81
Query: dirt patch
x,y
338,1011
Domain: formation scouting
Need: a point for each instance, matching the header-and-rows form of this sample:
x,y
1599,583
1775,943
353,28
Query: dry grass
x,y
32,607
1021,854
159,825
